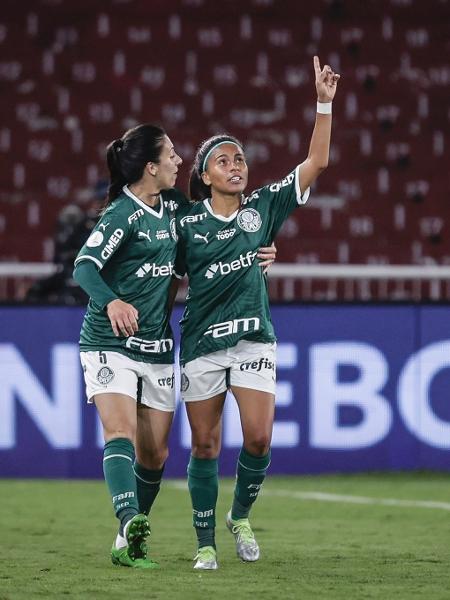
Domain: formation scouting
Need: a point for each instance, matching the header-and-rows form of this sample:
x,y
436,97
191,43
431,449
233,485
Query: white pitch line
x,y
325,497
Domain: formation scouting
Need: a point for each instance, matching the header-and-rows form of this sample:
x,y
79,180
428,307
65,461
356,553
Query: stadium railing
x,y
291,282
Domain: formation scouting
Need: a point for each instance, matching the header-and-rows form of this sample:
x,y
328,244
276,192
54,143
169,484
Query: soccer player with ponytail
x,y
126,343
228,339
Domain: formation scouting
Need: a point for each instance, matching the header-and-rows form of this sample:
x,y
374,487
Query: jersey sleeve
x,y
106,238
282,198
88,278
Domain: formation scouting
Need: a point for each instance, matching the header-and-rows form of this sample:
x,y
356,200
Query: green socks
x,y
203,487
118,457
251,472
148,483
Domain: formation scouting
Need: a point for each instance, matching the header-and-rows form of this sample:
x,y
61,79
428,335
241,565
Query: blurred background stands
x,y
74,76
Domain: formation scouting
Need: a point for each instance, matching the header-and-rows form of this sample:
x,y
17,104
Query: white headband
x,y
205,160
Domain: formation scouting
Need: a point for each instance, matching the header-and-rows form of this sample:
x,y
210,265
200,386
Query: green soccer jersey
x,y
134,247
227,299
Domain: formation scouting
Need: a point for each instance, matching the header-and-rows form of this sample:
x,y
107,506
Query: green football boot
x,y
120,557
135,532
134,553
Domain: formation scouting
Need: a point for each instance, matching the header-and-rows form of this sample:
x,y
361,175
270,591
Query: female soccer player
x,y
126,341
227,334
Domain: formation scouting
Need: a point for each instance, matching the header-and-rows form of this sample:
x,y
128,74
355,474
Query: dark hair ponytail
x,y
126,157
116,179
198,190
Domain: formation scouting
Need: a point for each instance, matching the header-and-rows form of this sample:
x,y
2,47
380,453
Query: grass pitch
x,y
331,537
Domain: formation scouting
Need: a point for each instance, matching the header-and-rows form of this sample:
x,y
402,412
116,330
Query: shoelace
x,y
244,532
205,554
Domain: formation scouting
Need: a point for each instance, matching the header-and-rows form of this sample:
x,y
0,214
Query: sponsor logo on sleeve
x,y
276,187
95,239
113,241
249,220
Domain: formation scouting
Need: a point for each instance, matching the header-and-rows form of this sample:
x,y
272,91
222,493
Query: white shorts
x,y
248,364
114,373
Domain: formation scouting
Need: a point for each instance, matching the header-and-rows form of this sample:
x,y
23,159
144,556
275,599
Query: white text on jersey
x,y
153,346
235,326
225,234
244,260
155,270
192,219
135,216
112,243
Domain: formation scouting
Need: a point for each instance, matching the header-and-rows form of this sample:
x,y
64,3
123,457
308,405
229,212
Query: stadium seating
x,y
75,75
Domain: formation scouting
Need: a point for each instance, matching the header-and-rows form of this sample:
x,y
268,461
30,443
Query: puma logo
x,y
141,234
103,225
197,236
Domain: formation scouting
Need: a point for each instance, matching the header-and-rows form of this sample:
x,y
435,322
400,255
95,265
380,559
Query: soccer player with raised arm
x,y
228,339
126,344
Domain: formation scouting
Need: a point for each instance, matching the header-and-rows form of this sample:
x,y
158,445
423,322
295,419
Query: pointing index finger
x,y
317,68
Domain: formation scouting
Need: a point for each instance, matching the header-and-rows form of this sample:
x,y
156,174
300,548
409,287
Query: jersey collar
x,y
219,217
149,209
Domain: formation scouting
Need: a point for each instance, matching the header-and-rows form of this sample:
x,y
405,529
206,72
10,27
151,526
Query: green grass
x,y
56,537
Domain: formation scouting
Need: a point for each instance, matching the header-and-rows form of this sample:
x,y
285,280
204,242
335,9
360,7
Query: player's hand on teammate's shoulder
x,y
326,81
123,317
267,256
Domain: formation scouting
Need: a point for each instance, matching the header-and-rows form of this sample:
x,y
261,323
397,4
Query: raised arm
x,y
319,148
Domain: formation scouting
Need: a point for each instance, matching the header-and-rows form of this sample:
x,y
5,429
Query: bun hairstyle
x,y
198,190
126,157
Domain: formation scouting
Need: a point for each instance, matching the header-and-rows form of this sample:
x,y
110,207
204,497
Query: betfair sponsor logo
x,y
151,346
224,268
235,326
225,234
258,365
113,241
192,219
155,270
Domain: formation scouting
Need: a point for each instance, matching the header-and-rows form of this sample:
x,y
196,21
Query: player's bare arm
x,y
319,149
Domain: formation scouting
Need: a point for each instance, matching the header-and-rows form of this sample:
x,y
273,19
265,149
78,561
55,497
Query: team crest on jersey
x,y
249,220
95,239
184,382
105,375
173,229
